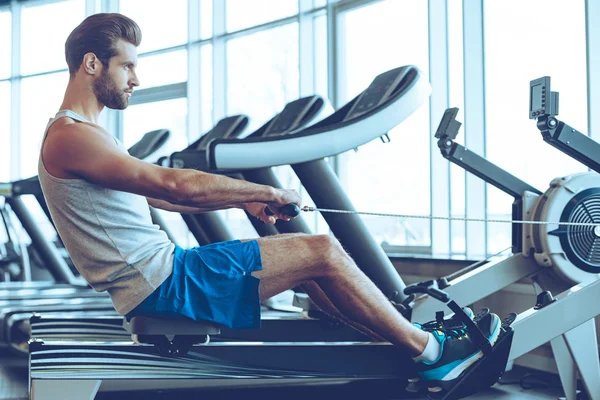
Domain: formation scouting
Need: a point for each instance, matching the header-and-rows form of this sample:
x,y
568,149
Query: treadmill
x,y
88,367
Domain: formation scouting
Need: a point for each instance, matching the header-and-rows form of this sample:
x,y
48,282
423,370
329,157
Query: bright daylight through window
x,y
512,141
392,177
44,49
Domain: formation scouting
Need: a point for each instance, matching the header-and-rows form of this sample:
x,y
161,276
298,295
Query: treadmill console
x,y
293,115
542,101
225,128
382,87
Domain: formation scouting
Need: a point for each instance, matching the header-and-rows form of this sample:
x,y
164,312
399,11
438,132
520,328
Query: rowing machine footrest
x,y
483,374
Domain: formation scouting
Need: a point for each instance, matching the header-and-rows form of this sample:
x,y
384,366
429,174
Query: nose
x,y
134,81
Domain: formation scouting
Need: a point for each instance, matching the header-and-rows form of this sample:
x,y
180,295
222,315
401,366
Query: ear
x,y
91,64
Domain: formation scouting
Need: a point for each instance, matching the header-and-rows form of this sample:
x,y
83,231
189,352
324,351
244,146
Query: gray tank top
x,y
109,234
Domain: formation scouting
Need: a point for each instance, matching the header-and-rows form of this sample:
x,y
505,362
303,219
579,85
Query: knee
x,y
332,252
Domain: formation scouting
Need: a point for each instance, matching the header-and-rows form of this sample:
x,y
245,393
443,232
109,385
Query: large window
x,y
265,54
5,131
262,73
513,142
320,56
5,39
206,18
243,13
143,118
163,25
390,178
206,91
162,69
44,30
41,97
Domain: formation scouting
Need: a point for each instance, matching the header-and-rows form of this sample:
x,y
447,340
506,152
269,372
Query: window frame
x,y
474,90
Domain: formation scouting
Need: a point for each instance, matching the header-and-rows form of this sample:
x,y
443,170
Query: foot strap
x,y
475,333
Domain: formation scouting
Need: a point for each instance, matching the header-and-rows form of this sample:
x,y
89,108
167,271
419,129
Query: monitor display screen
x,y
536,97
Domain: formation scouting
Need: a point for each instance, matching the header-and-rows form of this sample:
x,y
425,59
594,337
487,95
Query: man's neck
x,y
80,99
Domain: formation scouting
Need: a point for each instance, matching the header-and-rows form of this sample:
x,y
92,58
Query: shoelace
x,y
433,326
455,333
442,325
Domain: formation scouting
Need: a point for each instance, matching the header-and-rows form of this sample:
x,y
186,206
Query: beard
x,y
108,93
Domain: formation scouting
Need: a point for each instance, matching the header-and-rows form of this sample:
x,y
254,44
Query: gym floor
x,y
535,386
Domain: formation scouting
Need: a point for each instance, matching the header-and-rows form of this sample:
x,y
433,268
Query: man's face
x,y
114,86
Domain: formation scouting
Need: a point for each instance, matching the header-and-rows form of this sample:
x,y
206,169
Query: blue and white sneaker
x,y
458,352
442,324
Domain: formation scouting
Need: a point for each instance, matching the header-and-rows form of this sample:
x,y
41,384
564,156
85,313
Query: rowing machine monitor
x,y
542,101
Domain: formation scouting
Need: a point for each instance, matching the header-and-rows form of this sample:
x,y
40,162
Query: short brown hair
x,y
99,34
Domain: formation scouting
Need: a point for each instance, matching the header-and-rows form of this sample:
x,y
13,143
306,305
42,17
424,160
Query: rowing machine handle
x,y
291,210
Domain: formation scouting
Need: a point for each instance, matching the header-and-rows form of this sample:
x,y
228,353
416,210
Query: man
x,y
98,196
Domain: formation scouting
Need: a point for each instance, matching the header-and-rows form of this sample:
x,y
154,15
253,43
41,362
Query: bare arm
x,y
87,152
255,209
165,205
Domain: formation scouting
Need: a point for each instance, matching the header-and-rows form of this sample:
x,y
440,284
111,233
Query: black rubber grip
x,y
439,294
427,287
291,210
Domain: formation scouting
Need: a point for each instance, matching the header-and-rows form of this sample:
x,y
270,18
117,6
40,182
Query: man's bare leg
x,y
291,260
320,298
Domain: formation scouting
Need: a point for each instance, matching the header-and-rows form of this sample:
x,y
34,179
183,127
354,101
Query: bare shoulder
x,y
68,140
78,150
67,129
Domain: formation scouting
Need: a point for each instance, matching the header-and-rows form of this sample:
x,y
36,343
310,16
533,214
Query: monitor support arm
x,y
474,163
558,134
570,141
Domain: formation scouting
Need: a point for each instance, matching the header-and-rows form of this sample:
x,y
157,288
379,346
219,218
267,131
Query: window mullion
x,y
592,16
219,60
194,119
15,96
440,169
306,49
474,125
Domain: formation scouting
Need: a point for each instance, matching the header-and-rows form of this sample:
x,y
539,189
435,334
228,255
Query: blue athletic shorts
x,y
210,283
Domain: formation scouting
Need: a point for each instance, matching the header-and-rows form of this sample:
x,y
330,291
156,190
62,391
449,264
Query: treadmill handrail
x,y
196,156
323,139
